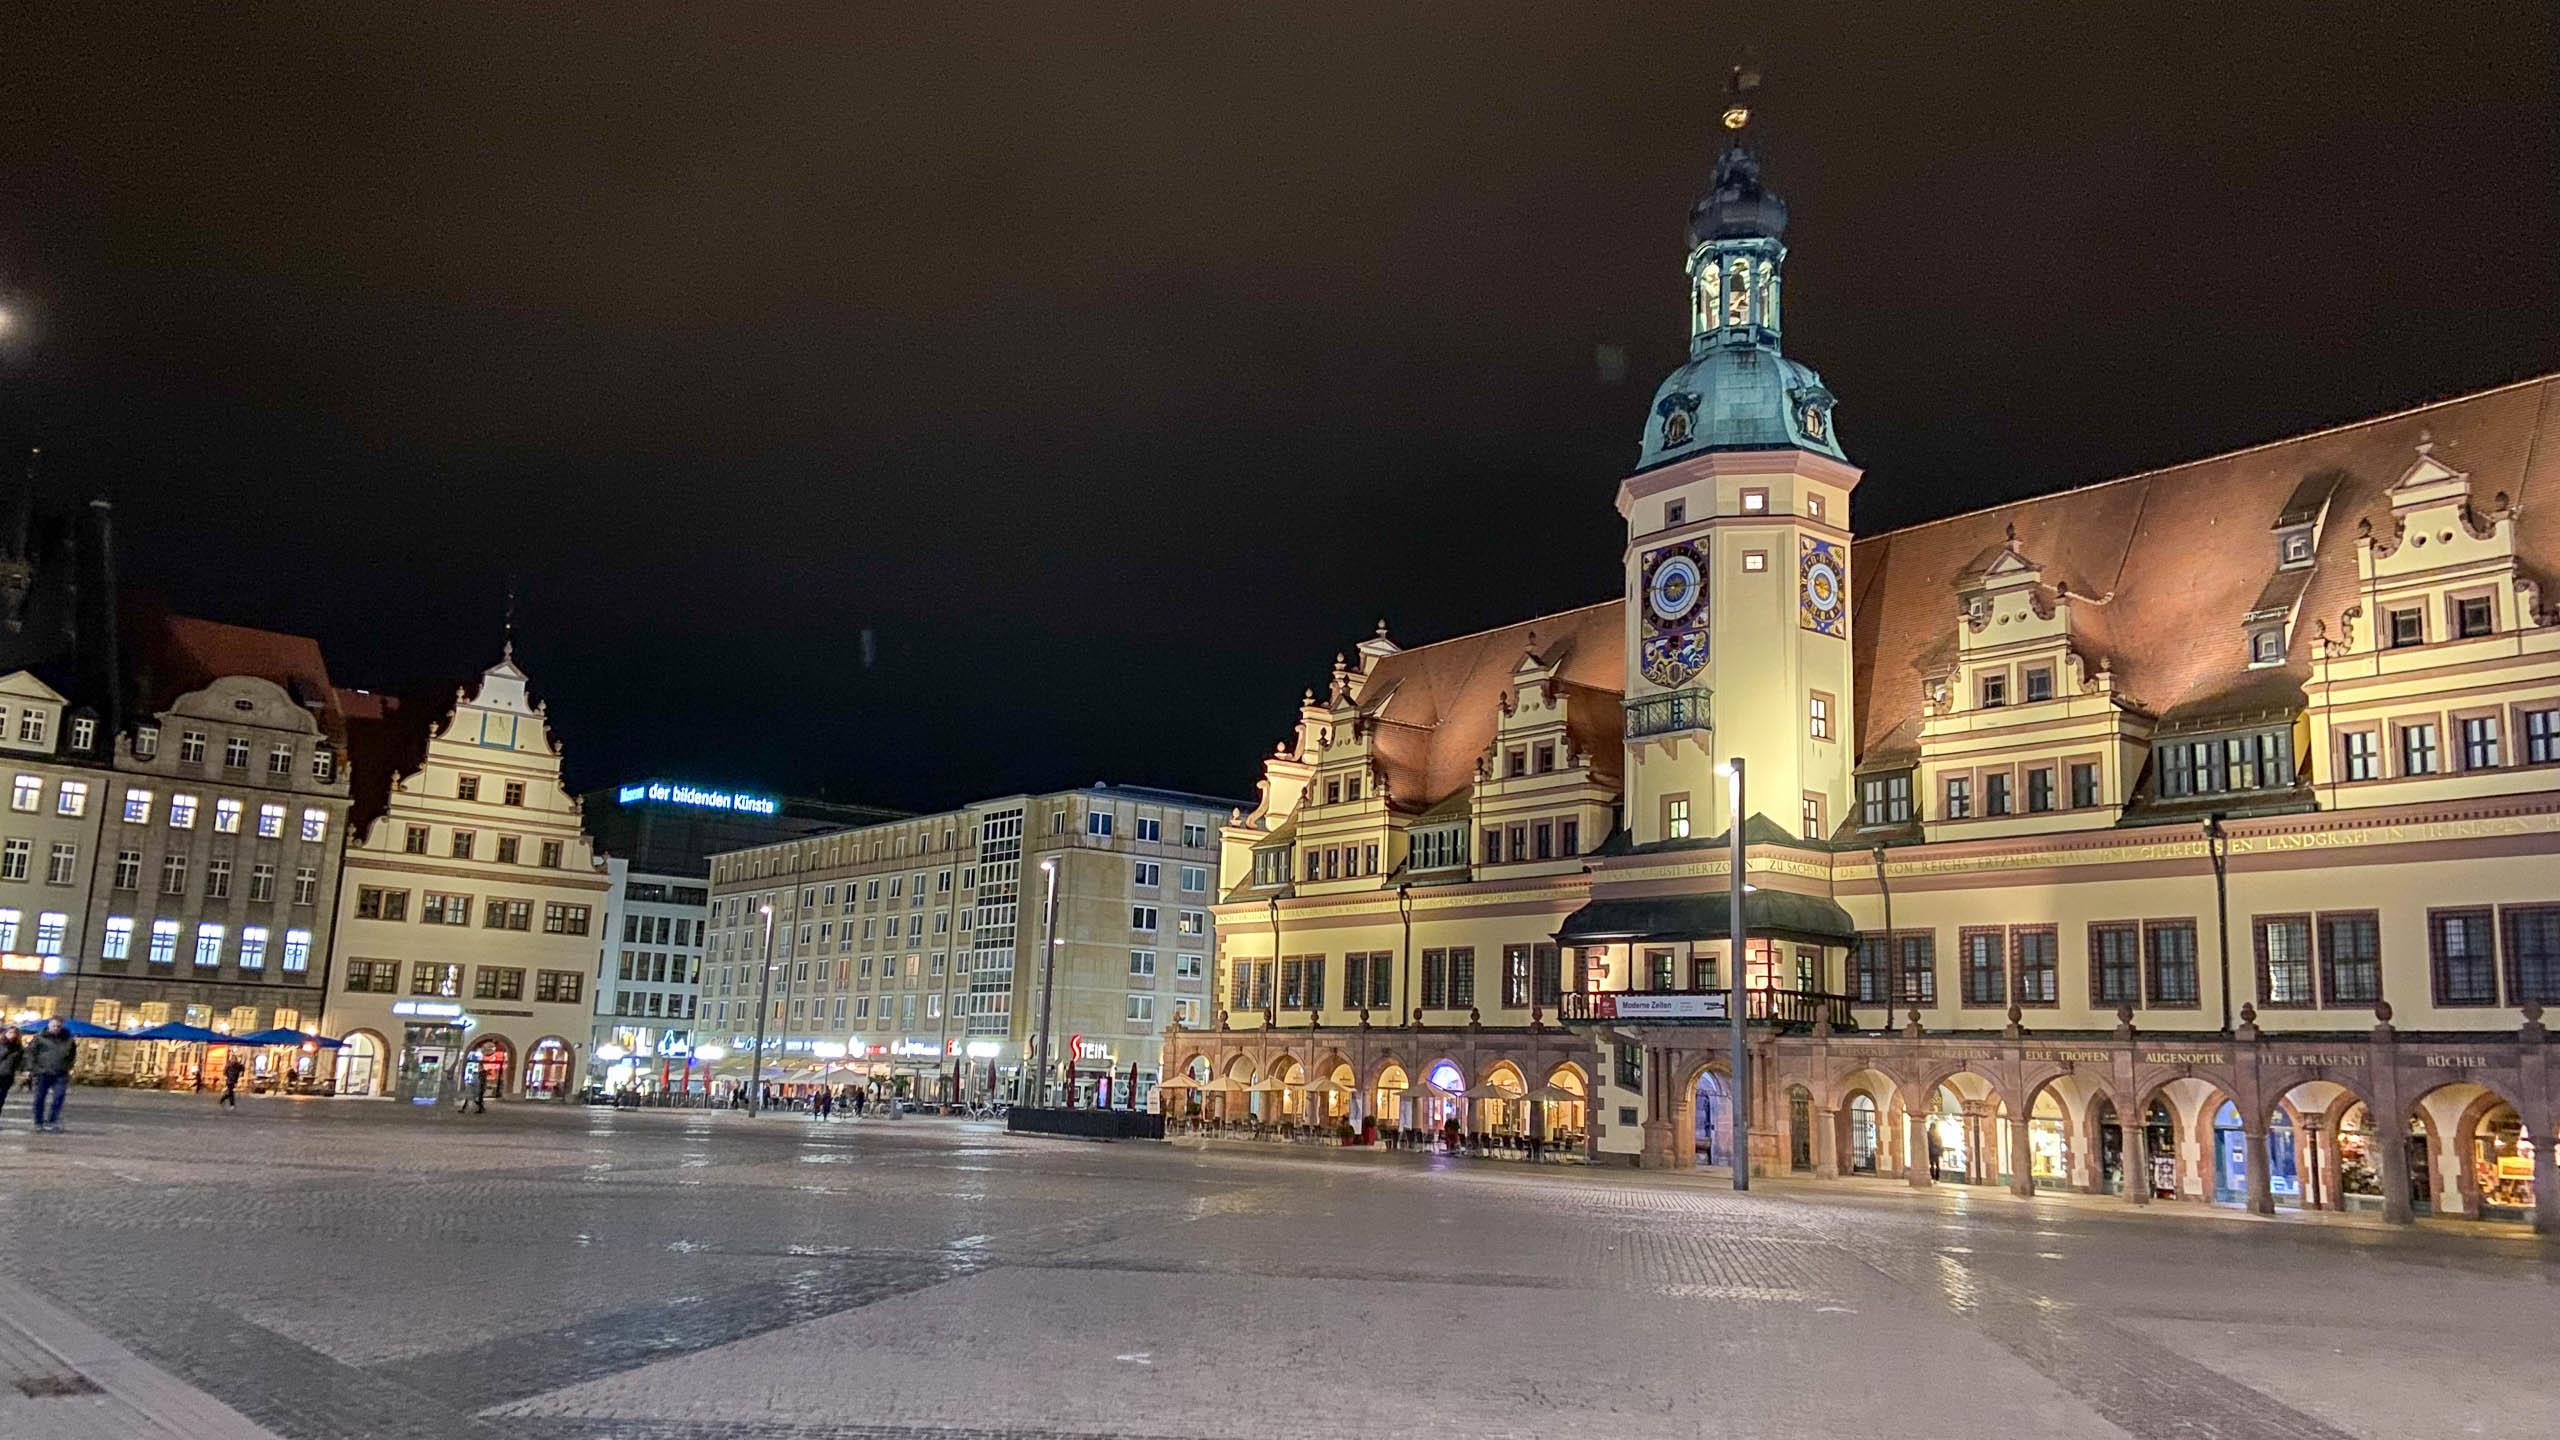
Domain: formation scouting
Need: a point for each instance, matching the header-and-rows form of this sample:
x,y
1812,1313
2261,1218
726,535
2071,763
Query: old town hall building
x,y
2190,836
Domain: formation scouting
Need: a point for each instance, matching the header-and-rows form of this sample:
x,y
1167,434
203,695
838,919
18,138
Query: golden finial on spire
x,y
1737,104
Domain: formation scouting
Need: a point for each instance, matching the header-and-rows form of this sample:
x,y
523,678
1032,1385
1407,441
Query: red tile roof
x,y
172,655
2162,567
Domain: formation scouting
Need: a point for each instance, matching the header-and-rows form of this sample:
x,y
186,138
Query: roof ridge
x,y
2159,470
1506,625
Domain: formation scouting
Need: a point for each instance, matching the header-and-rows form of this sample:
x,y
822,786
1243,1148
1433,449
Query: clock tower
x,y
1737,562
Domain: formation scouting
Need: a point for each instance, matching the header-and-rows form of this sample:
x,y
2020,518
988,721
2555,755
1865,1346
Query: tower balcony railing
x,y
1668,713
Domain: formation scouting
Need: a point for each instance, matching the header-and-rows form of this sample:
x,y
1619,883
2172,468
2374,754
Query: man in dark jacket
x,y
50,1056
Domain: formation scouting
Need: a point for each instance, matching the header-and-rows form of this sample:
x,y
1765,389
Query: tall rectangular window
x,y
2533,954
1515,977
1918,984
2284,961
2462,953
1959,797
2036,965
1355,980
1995,793
1546,964
2350,958
1984,966
2169,948
2115,964
1871,971
1382,981
1435,979
1462,976
2084,785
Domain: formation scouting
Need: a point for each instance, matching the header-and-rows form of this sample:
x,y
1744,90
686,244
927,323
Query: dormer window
x,y
1515,762
2408,627
84,733
2266,646
1995,691
1333,791
1350,787
2295,548
2040,683
2473,617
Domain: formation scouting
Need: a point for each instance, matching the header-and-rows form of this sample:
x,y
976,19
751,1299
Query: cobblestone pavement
x,y
335,1269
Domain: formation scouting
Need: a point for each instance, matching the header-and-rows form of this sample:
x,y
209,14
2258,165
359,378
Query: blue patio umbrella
x,y
190,1034
283,1036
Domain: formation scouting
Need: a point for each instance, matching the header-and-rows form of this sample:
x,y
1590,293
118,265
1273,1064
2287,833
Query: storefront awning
x,y
1779,913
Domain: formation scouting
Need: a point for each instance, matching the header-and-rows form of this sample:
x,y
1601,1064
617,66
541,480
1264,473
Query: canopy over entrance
x,y
1779,913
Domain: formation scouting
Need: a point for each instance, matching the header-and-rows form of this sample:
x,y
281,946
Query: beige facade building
x,y
469,903
2190,836
180,868
907,954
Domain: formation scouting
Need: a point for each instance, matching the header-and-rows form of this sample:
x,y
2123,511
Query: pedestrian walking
x,y
13,1059
231,1074
50,1057
861,1103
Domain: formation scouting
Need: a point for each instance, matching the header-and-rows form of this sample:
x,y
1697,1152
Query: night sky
x,y
1115,366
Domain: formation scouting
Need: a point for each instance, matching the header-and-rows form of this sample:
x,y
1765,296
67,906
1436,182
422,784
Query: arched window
x,y
1737,295
1707,279
1768,295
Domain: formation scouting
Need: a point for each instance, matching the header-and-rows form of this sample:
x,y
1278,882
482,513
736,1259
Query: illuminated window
x,y
1754,562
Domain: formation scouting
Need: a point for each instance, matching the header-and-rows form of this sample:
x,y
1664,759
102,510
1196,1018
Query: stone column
x,y
2388,1116
1828,1142
1915,1149
2022,1159
2253,1163
2137,1160
2546,1185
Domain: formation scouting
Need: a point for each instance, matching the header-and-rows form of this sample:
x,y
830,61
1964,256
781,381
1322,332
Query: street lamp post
x,y
1048,973
2217,844
1404,909
1738,1102
764,1002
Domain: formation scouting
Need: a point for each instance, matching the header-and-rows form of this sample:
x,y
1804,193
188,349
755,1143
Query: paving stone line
x,y
2135,1383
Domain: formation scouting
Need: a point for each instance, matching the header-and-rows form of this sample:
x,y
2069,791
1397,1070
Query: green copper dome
x,y
1737,392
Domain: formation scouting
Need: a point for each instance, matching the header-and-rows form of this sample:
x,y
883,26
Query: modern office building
x,y
2193,835
470,899
907,954
657,838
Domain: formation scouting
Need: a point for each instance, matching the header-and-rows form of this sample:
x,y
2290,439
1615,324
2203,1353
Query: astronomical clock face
x,y
1673,592
1822,595
1673,648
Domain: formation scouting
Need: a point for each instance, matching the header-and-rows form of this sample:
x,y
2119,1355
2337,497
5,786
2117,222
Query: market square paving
x,y
314,1269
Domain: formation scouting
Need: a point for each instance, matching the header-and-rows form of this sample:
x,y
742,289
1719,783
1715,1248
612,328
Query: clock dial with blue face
x,y
1822,603
1674,591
